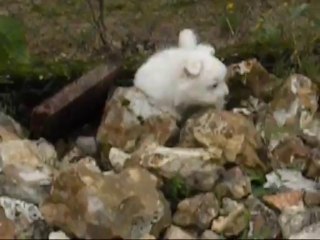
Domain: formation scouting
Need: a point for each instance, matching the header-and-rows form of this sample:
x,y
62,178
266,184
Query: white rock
x,y
58,235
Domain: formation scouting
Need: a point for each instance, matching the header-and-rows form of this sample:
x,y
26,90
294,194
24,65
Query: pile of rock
x,y
250,171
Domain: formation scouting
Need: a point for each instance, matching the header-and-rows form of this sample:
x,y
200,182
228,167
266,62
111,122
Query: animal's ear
x,y
193,67
187,39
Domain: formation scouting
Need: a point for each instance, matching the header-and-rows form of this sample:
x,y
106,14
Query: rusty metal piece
x,y
75,104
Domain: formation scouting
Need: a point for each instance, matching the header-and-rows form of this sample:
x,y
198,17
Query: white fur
x,y
189,40
184,76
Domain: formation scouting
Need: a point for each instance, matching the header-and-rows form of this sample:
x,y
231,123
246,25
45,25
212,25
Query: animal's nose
x,y
225,88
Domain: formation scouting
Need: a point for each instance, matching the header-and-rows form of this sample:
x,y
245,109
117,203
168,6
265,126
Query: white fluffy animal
x,y
184,76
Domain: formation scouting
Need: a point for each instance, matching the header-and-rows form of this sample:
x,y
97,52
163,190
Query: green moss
x,y
176,190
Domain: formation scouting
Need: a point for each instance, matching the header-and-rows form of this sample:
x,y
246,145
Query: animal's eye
x,y
213,86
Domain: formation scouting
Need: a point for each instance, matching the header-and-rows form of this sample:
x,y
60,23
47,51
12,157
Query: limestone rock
x,y
291,110
88,204
234,184
197,211
7,228
25,172
196,166
174,232
130,118
284,200
233,220
11,125
294,220
208,234
233,133
263,220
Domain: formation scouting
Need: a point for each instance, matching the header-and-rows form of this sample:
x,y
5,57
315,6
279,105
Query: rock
x,y
118,159
310,232
231,132
88,204
208,234
174,232
74,104
148,236
72,156
290,153
130,119
197,211
9,124
311,130
312,170
87,144
292,109
255,77
311,199
14,208
196,166
24,172
234,219
293,220
6,135
251,108
284,200
289,179
46,150
58,235
234,184
26,217
7,228
263,222
39,230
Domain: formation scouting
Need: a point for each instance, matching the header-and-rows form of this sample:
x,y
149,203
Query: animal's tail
x,y
187,38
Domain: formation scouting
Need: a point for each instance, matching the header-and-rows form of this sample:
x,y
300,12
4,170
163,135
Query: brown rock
x,y
254,76
11,125
174,232
88,204
6,135
291,152
7,228
292,109
197,211
196,166
234,220
130,118
208,234
284,200
231,132
311,199
74,104
234,184
313,166
263,222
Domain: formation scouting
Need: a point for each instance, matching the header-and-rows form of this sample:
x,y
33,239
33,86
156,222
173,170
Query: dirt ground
x,y
60,29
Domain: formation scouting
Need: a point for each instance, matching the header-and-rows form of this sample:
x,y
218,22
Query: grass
x,y
284,35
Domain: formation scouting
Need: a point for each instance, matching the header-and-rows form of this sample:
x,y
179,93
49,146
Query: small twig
x,y
230,26
101,16
98,23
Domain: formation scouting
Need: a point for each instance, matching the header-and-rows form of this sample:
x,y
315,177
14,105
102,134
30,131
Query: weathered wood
x,y
75,104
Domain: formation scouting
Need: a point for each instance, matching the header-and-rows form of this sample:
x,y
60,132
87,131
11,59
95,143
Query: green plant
x,y
13,45
293,32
